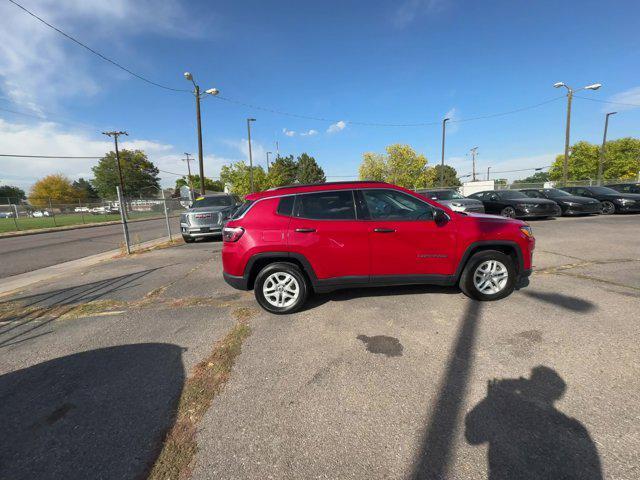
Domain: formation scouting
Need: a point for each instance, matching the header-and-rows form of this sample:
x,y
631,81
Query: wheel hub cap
x,y
490,277
281,289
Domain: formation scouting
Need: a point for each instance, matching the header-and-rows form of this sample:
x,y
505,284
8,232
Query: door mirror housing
x,y
440,217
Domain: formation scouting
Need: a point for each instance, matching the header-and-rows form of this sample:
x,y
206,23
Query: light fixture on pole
x,y
444,123
604,146
249,120
198,95
570,92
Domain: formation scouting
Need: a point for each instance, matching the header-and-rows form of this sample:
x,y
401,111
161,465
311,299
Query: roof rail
x,y
324,183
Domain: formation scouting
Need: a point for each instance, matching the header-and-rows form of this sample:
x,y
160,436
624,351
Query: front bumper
x,y
586,209
535,212
629,208
200,231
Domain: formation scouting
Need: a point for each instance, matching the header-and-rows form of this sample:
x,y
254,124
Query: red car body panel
x,y
353,250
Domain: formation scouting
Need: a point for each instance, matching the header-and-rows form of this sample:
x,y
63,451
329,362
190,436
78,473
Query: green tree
x,y
10,194
431,177
138,172
85,189
53,189
283,171
237,177
308,170
401,165
209,184
622,161
536,178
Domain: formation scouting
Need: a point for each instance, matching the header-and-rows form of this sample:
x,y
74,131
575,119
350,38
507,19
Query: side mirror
x,y
440,217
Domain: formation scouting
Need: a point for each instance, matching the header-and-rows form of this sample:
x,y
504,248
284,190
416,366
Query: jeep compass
x,y
288,242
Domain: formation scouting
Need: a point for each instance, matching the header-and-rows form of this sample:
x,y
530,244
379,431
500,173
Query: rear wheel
x,y
281,288
488,275
188,239
608,208
508,212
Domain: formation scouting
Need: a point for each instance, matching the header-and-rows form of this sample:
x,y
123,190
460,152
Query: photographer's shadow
x,y
528,437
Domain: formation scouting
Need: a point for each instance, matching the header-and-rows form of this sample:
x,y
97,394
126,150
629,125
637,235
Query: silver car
x,y
207,215
453,200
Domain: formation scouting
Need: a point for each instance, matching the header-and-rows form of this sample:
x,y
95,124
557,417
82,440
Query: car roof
x,y
317,187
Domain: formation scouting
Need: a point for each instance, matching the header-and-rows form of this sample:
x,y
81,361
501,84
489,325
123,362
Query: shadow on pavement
x,y
95,414
569,438
29,314
528,437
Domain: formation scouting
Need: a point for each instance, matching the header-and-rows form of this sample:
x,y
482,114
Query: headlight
x,y
525,205
456,204
572,204
526,231
626,201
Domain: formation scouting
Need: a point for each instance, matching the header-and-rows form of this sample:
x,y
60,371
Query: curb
x,y
16,282
23,233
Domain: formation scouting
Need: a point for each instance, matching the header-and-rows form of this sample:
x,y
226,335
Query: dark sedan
x,y
626,187
569,204
453,200
515,204
612,201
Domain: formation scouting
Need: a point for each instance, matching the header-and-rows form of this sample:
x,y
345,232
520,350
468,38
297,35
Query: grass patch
x,y
157,246
205,382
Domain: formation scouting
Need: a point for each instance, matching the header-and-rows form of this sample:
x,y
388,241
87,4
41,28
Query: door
x,y
324,229
403,237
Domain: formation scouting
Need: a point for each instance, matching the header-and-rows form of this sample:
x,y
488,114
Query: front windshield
x,y
443,194
217,201
604,191
509,194
554,193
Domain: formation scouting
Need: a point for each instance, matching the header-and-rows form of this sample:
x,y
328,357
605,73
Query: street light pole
x,y
570,92
604,146
115,136
473,159
249,120
488,172
444,123
196,93
268,153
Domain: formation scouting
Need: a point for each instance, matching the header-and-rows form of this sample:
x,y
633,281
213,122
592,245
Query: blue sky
x,y
411,61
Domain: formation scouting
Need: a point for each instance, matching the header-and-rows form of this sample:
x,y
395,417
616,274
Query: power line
x,y
607,101
106,59
47,156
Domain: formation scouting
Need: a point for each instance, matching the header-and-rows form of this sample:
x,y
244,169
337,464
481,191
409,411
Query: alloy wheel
x,y
608,208
490,277
281,289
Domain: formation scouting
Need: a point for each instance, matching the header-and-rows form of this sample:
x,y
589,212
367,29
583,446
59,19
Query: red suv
x,y
288,242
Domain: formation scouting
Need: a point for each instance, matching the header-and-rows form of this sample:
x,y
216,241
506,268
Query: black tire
x,y
468,286
288,269
508,212
188,239
608,208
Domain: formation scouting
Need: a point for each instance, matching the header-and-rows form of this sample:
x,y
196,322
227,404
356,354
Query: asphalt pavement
x,y
31,252
408,382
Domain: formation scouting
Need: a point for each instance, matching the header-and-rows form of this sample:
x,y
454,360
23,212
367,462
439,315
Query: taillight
x,y
232,234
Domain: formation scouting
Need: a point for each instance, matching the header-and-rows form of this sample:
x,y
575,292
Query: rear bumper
x,y
237,282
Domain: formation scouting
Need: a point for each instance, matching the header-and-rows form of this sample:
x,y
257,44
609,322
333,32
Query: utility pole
x,y
473,159
444,123
488,171
249,120
115,136
188,160
604,146
277,150
268,153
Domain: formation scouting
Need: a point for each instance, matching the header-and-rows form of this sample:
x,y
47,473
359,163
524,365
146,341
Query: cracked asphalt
x,y
412,382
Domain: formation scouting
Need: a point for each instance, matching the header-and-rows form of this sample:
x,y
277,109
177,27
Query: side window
x,y
492,197
582,192
394,205
285,207
241,209
626,189
326,205
533,194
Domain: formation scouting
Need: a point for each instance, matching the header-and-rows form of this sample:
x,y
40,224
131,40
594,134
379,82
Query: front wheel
x,y
488,275
508,212
281,288
608,208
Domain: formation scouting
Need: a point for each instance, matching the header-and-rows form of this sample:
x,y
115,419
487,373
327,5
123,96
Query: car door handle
x,y
305,230
384,230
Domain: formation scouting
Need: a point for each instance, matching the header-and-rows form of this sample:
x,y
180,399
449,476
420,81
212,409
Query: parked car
x,y
6,215
453,200
287,242
625,187
103,210
612,200
515,204
206,216
569,204
40,213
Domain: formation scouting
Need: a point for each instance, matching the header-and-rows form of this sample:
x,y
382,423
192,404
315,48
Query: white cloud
x,y
336,127
412,10
631,97
309,133
39,67
452,115
288,133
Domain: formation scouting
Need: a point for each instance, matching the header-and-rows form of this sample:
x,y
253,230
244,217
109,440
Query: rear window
x,y
241,209
285,207
326,206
